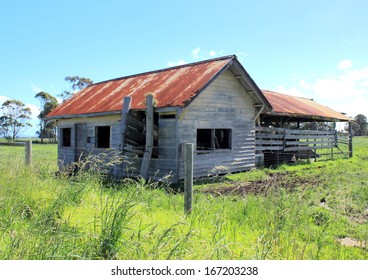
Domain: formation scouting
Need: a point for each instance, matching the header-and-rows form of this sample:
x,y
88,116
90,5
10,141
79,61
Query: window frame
x,y
214,144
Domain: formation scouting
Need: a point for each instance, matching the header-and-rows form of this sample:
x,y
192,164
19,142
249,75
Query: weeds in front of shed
x,y
300,213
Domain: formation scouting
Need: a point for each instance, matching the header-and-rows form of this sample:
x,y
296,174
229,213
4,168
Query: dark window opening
x,y
103,137
172,116
66,137
204,137
222,139
213,139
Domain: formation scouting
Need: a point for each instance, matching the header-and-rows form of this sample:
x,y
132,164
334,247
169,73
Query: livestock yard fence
x,y
279,145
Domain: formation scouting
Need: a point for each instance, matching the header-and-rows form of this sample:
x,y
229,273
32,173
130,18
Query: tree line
x,y
15,115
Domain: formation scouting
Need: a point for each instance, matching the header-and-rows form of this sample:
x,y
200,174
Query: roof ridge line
x,y
167,69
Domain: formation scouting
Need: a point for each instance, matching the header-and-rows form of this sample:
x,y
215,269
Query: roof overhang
x,y
303,118
99,114
300,108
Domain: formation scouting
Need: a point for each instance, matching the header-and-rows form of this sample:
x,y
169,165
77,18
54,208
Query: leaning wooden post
x,y
127,101
350,140
28,152
188,177
149,137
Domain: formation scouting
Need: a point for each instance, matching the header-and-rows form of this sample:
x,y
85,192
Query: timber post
x,y
149,137
350,140
127,101
28,152
188,177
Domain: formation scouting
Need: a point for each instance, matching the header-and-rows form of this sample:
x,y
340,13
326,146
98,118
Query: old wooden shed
x,y
214,104
299,128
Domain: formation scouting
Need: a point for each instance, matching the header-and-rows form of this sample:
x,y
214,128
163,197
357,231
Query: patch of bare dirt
x,y
351,242
286,180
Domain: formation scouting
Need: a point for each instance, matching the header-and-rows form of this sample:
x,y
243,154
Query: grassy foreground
x,y
306,211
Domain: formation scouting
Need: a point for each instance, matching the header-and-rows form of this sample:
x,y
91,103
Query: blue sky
x,y
312,48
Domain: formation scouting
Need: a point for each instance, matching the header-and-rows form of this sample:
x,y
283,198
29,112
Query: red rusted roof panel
x,y
171,87
299,106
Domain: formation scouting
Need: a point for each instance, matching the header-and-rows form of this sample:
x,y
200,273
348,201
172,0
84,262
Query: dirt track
x,y
286,180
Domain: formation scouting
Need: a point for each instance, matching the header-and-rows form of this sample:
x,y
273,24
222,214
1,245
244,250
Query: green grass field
x,y
305,211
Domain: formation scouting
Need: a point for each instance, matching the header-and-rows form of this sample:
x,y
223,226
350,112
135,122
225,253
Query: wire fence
x,y
169,159
25,153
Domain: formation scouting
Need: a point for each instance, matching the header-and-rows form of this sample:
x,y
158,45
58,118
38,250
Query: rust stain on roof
x,y
171,87
300,106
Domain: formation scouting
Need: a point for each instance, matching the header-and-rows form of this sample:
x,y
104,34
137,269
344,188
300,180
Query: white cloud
x,y
176,63
59,100
304,84
195,52
35,88
35,110
212,53
3,99
347,92
344,64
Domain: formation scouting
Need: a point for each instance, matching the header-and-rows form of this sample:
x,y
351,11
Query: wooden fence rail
x,y
303,143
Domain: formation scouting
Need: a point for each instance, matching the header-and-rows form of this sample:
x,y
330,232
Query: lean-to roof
x,y
300,107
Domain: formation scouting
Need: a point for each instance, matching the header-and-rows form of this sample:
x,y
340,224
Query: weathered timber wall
x,y
85,138
224,104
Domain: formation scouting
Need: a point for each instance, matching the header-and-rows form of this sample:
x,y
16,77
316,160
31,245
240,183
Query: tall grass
x,y
299,215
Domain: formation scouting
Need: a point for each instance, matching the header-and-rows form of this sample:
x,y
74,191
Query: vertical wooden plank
x,y
149,137
127,101
188,177
123,124
28,152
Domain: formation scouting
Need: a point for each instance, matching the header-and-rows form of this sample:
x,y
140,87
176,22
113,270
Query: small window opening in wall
x,y
66,137
213,139
204,139
171,116
222,138
103,137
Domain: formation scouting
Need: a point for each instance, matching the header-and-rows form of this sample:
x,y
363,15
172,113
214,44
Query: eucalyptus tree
x,y
76,83
47,127
15,118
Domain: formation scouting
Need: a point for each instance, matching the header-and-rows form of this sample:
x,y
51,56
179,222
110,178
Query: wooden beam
x,y
127,101
124,115
149,137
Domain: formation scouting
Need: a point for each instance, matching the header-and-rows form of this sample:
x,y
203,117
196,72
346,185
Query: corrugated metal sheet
x,y
283,104
171,87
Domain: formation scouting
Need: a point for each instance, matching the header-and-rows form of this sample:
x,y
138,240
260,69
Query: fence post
x,y
28,152
350,140
188,177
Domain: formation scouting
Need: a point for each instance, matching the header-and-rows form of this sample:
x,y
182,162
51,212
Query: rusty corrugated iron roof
x,y
288,105
171,87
